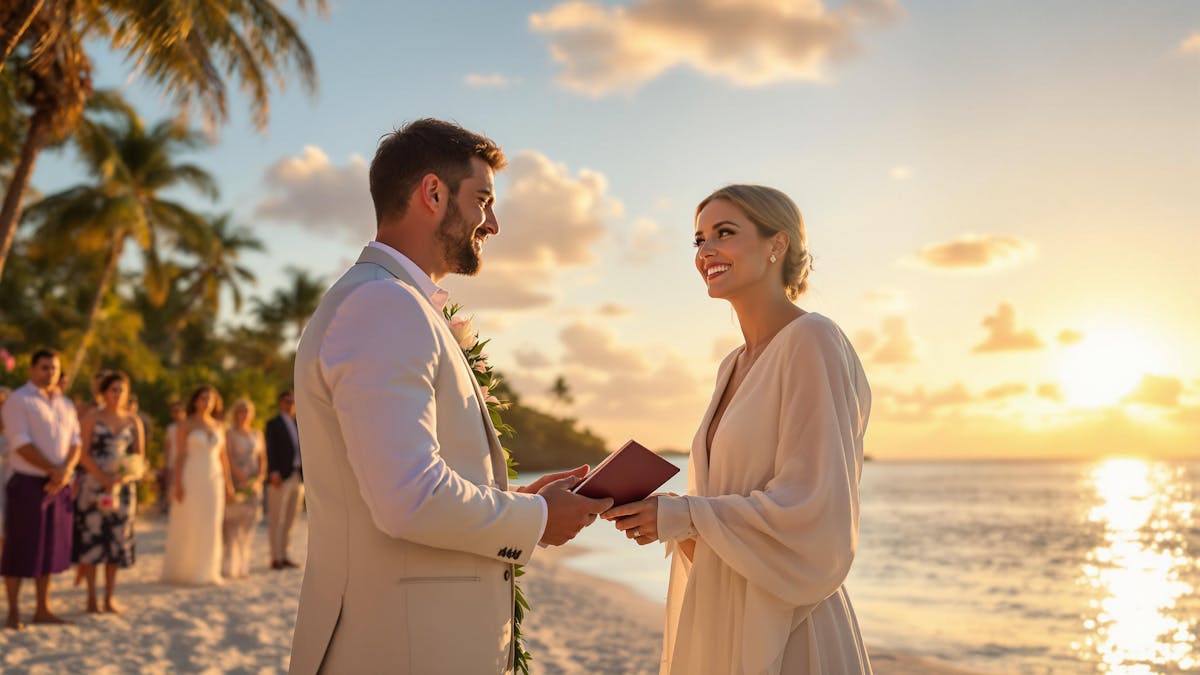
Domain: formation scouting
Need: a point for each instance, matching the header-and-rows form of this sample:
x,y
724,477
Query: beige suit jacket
x,y
412,534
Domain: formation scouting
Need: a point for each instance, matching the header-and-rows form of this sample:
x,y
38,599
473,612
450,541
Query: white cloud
x,y
887,300
547,217
1157,390
723,345
613,310
590,347
531,358
605,49
312,192
646,241
976,253
1190,44
549,221
1068,337
893,344
487,81
918,405
1003,334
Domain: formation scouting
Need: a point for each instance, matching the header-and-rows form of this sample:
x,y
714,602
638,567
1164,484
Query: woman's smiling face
x,y
731,254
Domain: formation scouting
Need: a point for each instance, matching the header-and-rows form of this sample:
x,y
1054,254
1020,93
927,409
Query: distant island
x,y
672,452
543,442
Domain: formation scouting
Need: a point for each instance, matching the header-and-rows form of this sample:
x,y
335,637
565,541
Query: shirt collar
x,y
437,295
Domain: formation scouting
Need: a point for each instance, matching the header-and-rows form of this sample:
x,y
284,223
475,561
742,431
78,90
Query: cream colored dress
x,y
774,511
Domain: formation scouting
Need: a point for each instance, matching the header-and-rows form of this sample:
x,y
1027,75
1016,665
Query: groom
x,y
413,529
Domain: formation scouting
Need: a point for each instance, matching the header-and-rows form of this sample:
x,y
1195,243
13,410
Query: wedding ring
x,y
636,533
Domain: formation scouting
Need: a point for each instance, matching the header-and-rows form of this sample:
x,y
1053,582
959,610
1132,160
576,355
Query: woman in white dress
x,y
201,486
763,541
248,464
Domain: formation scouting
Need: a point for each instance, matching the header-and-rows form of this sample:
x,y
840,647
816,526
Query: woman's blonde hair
x,y
243,402
772,211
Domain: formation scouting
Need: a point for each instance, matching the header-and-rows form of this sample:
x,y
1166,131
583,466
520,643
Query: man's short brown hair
x,y
425,146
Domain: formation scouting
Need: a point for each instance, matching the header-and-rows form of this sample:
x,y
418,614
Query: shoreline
x,y
578,623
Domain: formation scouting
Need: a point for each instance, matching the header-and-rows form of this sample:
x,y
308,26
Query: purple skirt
x,y
37,529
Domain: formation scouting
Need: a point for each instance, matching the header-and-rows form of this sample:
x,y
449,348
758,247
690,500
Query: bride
x,y
762,543
201,486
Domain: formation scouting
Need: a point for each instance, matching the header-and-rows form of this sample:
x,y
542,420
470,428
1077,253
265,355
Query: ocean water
x,y
1007,567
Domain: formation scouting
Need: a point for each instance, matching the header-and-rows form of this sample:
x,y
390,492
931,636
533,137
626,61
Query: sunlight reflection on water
x,y
1137,573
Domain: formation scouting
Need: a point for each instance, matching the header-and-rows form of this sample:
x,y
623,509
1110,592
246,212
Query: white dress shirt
x,y
49,423
348,316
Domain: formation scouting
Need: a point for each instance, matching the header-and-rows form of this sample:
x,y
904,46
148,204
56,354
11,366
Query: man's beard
x,y
458,242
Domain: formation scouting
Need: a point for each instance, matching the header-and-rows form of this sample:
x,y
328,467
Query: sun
x,y
1105,367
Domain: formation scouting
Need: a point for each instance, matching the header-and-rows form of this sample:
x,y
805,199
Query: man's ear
x,y
431,192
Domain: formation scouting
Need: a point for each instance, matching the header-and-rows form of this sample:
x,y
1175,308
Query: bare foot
x,y
49,618
112,607
14,622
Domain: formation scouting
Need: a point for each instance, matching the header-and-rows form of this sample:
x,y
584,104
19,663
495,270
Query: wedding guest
x,y
113,458
285,492
248,464
168,455
43,439
4,392
763,541
201,486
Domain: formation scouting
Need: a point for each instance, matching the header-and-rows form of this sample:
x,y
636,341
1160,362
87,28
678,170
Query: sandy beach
x,y
580,624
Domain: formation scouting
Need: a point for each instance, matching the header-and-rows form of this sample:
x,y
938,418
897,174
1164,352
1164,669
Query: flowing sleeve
x,y
795,539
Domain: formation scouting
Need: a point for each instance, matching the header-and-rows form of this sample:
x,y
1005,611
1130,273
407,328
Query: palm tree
x,y
54,79
561,392
186,47
292,305
216,268
131,165
217,265
14,21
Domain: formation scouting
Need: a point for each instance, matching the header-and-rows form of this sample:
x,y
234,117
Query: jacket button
x,y
507,575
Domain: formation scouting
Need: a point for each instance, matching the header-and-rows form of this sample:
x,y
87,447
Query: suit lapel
x,y
374,256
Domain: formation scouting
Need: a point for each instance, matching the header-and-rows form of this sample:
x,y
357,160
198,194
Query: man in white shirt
x,y
413,529
42,431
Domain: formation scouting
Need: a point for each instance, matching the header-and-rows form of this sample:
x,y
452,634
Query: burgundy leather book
x,y
630,474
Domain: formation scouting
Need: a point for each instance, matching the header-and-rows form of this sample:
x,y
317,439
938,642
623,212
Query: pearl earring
x,y
772,257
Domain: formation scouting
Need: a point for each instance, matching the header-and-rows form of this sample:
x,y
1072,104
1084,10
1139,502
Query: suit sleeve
x,y
380,359
274,461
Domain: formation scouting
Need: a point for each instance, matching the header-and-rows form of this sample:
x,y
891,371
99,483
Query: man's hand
x,y
276,481
568,513
537,485
58,480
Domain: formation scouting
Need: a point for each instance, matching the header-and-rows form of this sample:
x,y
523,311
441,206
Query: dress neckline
x,y
724,384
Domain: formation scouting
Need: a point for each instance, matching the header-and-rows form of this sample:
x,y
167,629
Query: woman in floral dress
x,y
247,463
114,447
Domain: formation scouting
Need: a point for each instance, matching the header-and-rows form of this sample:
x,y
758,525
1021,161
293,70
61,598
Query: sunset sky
x,y
1003,199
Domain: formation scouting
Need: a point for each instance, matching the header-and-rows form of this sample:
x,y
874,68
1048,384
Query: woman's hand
x,y
638,520
179,493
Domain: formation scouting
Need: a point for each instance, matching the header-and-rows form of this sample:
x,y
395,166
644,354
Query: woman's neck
x,y
761,316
